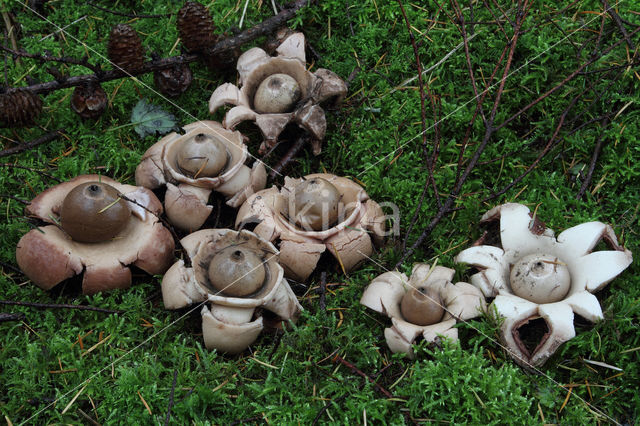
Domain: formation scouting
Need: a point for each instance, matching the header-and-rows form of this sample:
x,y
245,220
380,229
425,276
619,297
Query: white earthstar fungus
x,y
278,90
98,231
535,276
313,214
237,274
206,158
428,304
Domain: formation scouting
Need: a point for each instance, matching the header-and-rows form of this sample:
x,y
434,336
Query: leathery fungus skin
x,y
428,304
312,214
539,281
206,158
238,275
278,90
97,228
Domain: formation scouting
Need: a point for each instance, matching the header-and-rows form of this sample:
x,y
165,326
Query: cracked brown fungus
x,y
238,275
539,281
206,158
105,227
278,90
313,214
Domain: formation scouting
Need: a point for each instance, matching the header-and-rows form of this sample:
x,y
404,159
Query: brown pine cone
x,y
195,27
173,81
19,108
125,48
89,101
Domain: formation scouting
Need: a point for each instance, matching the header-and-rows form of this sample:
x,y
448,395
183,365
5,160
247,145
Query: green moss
x,y
375,138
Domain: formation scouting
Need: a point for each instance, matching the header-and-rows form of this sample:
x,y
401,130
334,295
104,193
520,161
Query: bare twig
x,y
429,157
11,317
286,159
32,144
267,26
48,58
359,372
58,306
446,208
616,18
594,160
173,388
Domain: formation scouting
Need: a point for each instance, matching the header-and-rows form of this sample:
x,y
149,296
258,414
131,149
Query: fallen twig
x,y
286,159
265,27
594,160
359,372
11,317
173,388
32,144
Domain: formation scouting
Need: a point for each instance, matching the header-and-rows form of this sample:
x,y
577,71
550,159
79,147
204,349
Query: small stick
x,y
594,160
265,27
616,18
286,159
173,388
32,144
11,317
359,372
58,306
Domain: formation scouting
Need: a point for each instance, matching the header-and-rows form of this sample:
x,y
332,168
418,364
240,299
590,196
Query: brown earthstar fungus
x,y
97,227
313,214
238,275
206,158
278,90
539,281
428,304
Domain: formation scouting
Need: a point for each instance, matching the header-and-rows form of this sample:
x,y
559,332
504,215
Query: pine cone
x,y
195,27
89,101
19,108
173,81
125,48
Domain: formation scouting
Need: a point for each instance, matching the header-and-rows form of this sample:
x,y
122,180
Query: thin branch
x,y
446,208
429,158
32,144
173,388
11,317
48,58
290,155
267,26
58,306
359,372
594,160
616,18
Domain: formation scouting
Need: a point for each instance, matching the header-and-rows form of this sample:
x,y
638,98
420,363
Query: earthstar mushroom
x,y
536,277
237,274
313,214
105,226
206,158
278,90
428,304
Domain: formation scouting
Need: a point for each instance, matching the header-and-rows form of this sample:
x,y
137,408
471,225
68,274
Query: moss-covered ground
x,y
375,137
